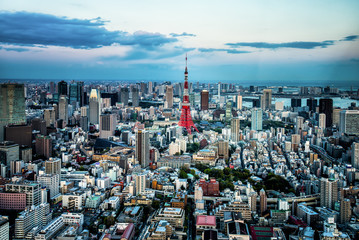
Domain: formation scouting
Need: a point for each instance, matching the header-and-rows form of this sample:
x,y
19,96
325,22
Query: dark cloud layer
x,y
350,38
231,51
25,28
299,44
184,34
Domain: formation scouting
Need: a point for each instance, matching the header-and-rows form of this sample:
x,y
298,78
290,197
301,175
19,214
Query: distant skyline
x,y
262,41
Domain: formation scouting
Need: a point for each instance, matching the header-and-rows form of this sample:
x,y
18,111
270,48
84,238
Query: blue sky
x,y
259,41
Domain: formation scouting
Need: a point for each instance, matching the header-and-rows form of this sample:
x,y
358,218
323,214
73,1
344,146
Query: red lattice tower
x,y
186,118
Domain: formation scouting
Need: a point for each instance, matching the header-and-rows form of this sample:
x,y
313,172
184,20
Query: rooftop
x,y
205,220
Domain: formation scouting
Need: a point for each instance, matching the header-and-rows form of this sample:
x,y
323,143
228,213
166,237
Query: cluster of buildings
x,y
177,161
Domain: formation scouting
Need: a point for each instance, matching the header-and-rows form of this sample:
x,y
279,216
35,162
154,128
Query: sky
x,y
240,41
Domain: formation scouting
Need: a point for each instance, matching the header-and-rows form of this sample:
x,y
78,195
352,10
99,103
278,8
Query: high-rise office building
x,y
50,117
52,88
20,134
169,96
223,149
63,109
94,107
107,125
299,124
62,88
135,97
76,94
12,106
204,100
9,152
328,192
266,99
256,103
322,121
124,96
53,166
36,216
312,103
32,190
257,116
51,182
355,155
326,107
43,146
345,211
349,122
239,101
142,148
39,124
140,184
295,141
296,102
235,128
150,87
263,201
336,117
228,111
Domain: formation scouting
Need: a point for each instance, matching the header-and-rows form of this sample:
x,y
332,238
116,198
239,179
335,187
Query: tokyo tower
x,y
186,119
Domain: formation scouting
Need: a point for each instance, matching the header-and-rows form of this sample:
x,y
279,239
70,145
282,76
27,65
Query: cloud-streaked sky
x,y
261,41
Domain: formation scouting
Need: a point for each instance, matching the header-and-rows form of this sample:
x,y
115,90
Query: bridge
x,y
323,154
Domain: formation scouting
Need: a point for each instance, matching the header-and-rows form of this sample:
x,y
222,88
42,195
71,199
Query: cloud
x,y
231,51
350,38
25,28
17,49
184,34
300,45
159,53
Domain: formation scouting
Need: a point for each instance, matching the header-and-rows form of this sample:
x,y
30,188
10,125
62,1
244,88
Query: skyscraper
x,y
12,105
62,88
49,117
140,184
328,192
76,93
257,115
51,182
299,124
263,201
322,121
296,102
239,101
235,127
345,211
326,107
355,155
107,125
43,146
169,96
63,108
142,148
312,103
228,111
124,96
266,99
349,122
135,97
150,87
53,166
204,100
94,107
